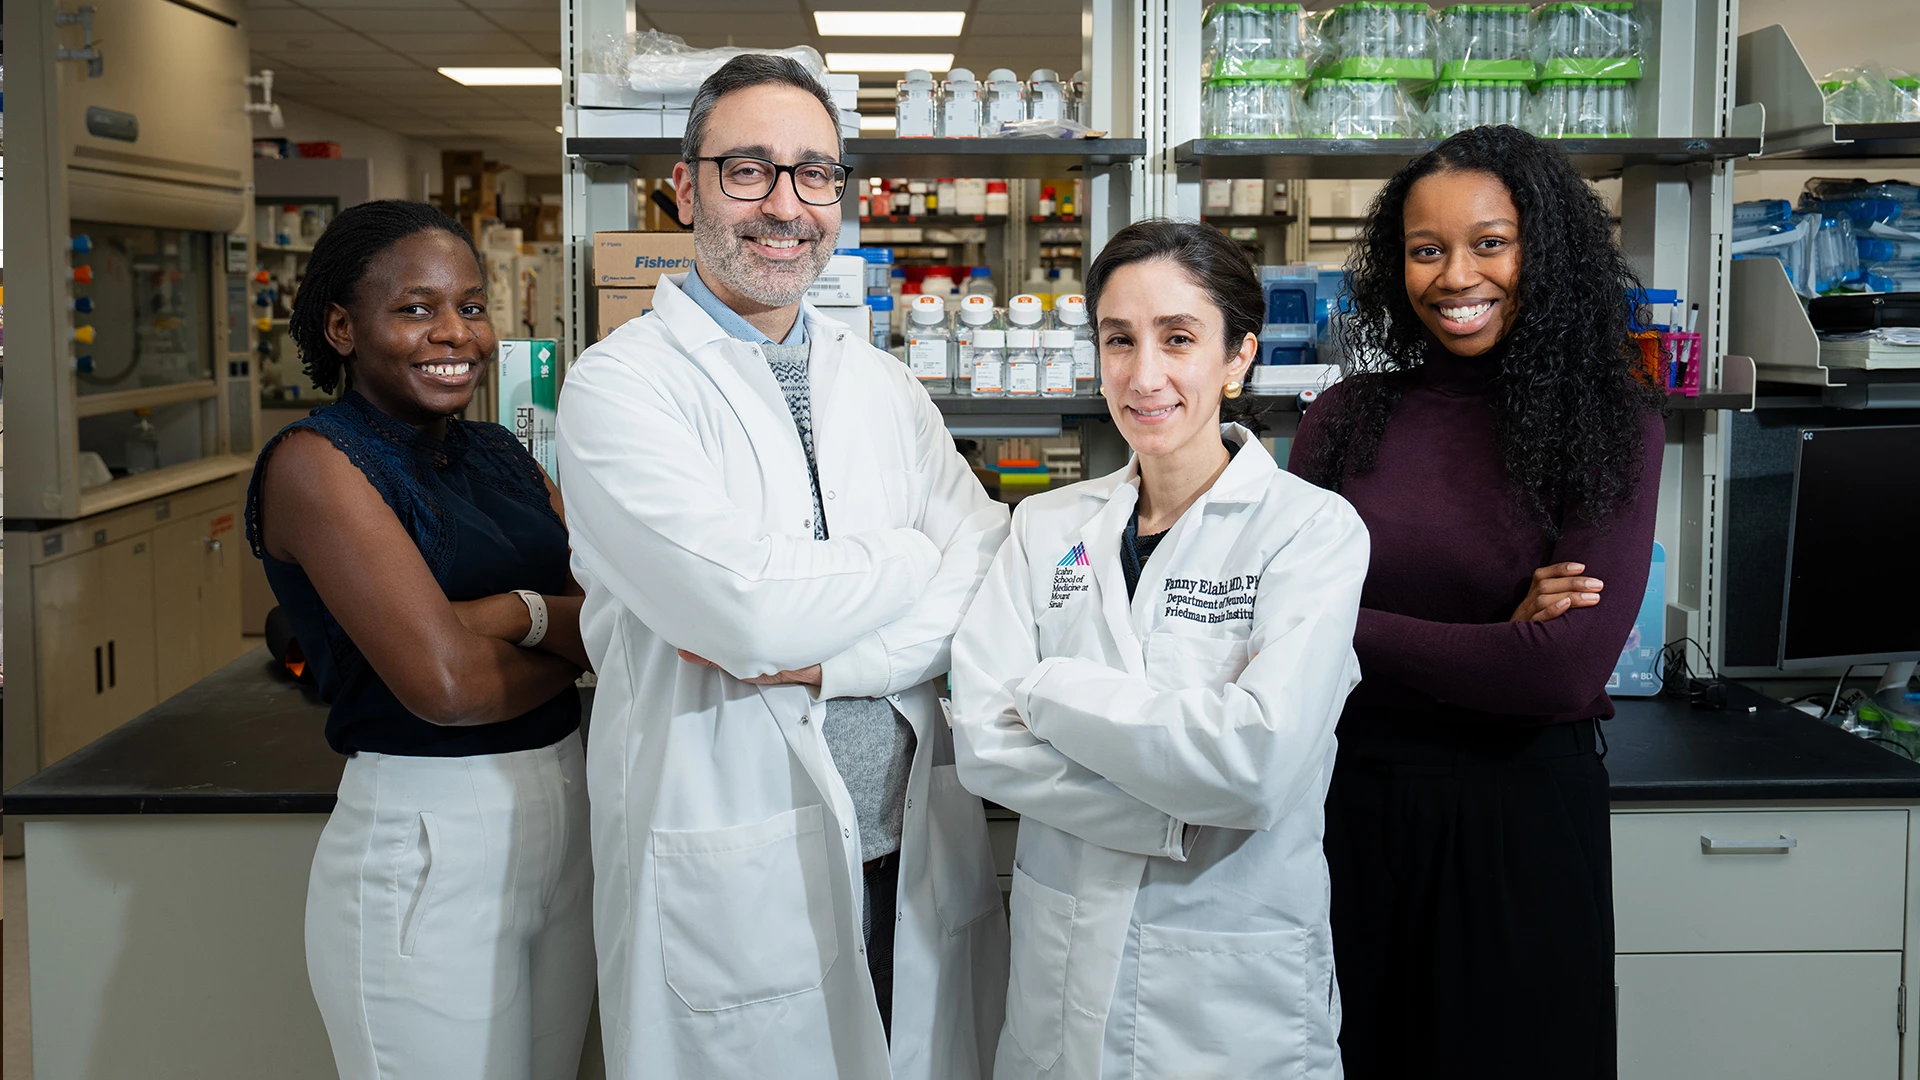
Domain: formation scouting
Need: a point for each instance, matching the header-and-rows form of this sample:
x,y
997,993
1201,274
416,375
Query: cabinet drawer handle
x,y
1779,845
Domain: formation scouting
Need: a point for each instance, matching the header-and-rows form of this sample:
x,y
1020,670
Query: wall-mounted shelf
x,y
1292,159
1766,320
1778,96
1036,158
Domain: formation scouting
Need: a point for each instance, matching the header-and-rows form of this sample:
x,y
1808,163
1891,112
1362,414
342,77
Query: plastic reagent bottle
x,y
143,444
1006,99
960,112
1056,362
1023,362
989,363
976,313
915,116
1047,96
980,282
929,344
1070,312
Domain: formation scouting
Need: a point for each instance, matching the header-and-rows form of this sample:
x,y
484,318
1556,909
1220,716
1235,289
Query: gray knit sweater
x,y
871,743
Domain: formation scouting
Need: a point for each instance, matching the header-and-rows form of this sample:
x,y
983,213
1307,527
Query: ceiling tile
x,y
526,20
515,5
262,5
421,44
348,5
385,21
649,9
1027,5
303,43
1032,24
768,30
369,61
285,20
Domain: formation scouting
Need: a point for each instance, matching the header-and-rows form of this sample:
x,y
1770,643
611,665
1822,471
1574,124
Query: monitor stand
x,y
1891,695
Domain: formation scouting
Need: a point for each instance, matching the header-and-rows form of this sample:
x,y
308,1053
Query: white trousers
x,y
449,922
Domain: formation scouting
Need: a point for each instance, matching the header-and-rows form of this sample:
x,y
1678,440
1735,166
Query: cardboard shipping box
x,y
637,259
616,306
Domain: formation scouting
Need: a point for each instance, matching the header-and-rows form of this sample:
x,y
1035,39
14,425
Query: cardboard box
x,y
615,307
529,390
842,284
637,259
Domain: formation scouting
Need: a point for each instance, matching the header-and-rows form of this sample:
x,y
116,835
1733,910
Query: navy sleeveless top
x,y
478,510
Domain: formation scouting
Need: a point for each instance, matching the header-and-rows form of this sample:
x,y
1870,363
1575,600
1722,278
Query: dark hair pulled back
x,y
338,264
1216,266
1570,404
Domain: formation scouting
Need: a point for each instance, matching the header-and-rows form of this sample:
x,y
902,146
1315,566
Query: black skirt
x,y
1472,902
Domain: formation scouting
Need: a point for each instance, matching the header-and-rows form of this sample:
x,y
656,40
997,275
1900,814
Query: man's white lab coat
x,y
727,875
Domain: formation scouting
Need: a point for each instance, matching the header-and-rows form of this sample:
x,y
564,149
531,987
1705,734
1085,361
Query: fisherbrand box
x,y
637,259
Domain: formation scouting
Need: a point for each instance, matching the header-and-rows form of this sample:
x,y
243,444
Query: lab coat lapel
x,y
1102,538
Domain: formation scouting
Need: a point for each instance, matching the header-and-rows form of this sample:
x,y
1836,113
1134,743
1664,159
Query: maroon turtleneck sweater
x,y
1453,556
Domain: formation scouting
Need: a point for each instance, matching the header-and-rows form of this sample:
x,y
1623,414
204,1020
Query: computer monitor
x,y
1855,523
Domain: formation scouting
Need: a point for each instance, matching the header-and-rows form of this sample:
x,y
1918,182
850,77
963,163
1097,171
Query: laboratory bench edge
x,y
246,741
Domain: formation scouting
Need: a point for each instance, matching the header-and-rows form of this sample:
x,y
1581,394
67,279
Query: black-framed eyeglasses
x,y
750,179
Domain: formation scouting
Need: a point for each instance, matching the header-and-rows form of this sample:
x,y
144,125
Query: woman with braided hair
x,y
422,562
1494,437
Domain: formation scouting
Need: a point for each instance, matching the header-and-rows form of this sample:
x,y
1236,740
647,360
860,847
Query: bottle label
x,y
1023,378
1059,375
986,375
927,359
1084,357
966,357
915,117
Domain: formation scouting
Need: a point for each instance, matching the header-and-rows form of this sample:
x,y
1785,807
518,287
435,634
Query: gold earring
x,y
1233,390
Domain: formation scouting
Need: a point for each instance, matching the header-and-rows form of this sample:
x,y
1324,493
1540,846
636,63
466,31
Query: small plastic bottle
x,y
960,107
143,444
989,363
1070,314
976,314
1047,96
1006,99
980,282
1056,363
882,307
997,204
949,196
929,344
1023,362
1025,312
1077,93
915,113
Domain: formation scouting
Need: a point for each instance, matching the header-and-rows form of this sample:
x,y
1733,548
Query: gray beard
x,y
722,258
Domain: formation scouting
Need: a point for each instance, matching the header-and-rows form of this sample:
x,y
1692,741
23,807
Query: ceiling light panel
x,y
889,23
932,62
503,76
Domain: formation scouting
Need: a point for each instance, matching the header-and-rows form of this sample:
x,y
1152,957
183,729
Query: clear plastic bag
x,y
1043,129
1359,109
1250,109
1870,95
1588,41
1457,105
1256,40
1373,40
1485,41
656,62
1582,108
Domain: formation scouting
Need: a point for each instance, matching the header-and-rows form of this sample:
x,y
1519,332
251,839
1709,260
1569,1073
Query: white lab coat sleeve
x,y
650,520
953,510
1243,756
1000,760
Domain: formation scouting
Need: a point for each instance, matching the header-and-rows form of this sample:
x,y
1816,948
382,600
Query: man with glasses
x,y
777,539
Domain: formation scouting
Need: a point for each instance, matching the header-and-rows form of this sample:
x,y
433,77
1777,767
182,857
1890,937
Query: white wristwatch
x,y
537,611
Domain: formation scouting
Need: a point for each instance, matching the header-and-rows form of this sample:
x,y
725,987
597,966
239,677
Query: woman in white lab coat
x,y
1150,676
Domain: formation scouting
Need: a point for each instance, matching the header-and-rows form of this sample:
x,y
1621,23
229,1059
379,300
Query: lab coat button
x,y
829,494
806,523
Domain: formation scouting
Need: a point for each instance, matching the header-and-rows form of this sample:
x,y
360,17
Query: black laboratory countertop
x,y
243,741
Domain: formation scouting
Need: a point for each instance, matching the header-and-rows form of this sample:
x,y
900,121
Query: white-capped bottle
x,y
915,109
1006,99
1070,314
960,109
1026,311
989,377
976,313
1047,96
929,344
1023,362
1056,363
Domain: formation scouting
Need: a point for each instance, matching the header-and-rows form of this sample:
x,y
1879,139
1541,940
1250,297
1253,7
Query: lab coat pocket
x,y
1177,661
1037,994
413,879
1221,1004
746,913
965,888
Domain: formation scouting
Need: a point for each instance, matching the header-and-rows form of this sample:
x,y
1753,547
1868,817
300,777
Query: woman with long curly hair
x,y
1493,435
